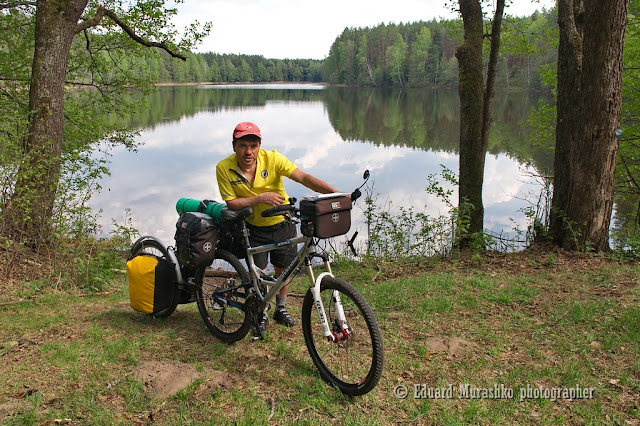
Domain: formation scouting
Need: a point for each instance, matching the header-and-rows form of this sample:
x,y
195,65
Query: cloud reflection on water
x,y
178,159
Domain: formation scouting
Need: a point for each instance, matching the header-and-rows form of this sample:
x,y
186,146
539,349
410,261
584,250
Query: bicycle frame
x,y
304,255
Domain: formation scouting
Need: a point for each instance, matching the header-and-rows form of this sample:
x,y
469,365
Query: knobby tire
x,y
354,365
225,322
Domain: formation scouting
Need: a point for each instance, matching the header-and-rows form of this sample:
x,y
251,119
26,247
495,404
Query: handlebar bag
x,y
196,236
151,284
325,217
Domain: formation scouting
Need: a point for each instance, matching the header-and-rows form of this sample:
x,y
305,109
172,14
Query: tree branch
x,y
24,80
92,22
101,12
12,4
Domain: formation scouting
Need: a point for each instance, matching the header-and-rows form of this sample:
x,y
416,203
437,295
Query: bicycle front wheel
x,y
354,363
149,247
227,321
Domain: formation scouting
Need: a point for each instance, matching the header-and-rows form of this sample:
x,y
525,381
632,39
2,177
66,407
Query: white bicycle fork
x,y
331,336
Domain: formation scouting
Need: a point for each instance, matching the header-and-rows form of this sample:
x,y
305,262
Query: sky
x,y
299,29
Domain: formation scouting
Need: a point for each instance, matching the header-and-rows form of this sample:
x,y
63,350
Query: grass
x,y
516,322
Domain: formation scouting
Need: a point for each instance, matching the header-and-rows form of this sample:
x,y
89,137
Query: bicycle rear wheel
x,y
224,320
354,365
149,247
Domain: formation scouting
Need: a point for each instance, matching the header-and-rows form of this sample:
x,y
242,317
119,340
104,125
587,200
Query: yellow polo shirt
x,y
271,168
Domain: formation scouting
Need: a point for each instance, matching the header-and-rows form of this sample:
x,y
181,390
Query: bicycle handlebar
x,y
278,210
286,208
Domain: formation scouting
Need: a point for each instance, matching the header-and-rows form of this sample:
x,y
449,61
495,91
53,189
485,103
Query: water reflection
x,y
334,133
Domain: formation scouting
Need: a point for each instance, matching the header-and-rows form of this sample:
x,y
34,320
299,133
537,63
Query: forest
x,y
418,54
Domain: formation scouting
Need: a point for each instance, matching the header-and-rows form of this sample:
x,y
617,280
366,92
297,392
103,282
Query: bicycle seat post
x,y
245,234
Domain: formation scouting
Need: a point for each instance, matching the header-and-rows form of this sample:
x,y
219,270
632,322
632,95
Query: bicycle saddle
x,y
228,215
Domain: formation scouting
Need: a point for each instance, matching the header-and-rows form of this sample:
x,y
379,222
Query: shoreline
x,y
209,83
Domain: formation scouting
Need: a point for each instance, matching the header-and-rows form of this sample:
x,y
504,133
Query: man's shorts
x,y
260,235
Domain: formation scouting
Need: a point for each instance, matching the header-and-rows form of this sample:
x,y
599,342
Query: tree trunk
x,y
29,211
475,111
469,55
589,102
492,68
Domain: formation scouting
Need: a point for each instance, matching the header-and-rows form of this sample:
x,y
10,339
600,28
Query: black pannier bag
x,y
151,284
196,237
325,216
230,239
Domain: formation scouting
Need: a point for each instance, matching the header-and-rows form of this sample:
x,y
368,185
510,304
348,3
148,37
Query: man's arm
x,y
269,198
237,203
312,182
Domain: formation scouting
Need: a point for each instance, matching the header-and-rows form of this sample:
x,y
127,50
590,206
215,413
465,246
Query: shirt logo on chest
x,y
264,174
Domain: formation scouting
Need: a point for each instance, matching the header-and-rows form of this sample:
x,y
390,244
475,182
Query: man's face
x,y
246,152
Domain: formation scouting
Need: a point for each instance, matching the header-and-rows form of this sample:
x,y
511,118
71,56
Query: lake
x,y
334,133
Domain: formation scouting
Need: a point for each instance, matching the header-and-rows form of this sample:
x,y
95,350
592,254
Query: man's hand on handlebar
x,y
271,198
279,208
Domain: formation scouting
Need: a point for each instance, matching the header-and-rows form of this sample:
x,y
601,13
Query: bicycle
x,y
340,329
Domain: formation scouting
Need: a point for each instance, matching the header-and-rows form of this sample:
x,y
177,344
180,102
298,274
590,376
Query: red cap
x,y
245,128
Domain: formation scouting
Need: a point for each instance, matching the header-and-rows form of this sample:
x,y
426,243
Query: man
x,y
253,177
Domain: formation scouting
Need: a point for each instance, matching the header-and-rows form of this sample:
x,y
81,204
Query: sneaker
x,y
281,316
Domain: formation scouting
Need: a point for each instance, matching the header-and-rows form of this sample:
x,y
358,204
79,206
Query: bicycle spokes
x,y
344,339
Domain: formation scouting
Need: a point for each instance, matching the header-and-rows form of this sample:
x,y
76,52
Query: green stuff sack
x,y
208,207
151,284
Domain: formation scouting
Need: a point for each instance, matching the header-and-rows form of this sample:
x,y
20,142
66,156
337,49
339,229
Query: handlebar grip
x,y
355,195
277,210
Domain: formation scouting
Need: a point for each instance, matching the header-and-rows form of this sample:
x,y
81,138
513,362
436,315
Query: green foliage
x,y
15,69
104,63
409,234
231,68
124,233
460,214
537,213
541,125
627,248
397,59
628,166
92,265
406,234
422,54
